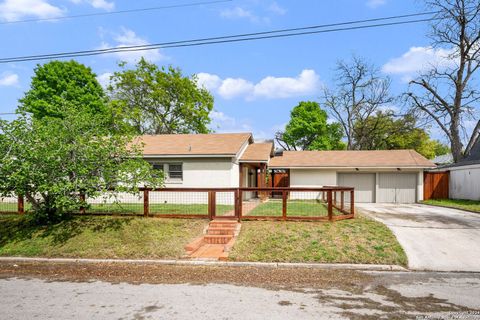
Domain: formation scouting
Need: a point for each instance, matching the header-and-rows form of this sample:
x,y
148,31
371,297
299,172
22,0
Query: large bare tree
x,y
446,93
361,91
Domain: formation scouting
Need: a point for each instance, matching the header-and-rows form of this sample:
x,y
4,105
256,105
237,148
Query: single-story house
x,y
235,160
464,176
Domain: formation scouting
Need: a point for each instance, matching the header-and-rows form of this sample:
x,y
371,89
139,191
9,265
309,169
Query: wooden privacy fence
x,y
318,204
435,185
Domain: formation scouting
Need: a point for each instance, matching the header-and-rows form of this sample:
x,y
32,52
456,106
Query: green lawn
x,y
469,205
98,237
299,208
359,240
11,206
137,208
160,208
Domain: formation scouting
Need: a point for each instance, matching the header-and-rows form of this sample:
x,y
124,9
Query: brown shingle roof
x,y
351,159
194,144
258,152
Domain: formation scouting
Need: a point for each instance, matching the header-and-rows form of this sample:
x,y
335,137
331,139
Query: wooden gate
x,y
435,185
279,179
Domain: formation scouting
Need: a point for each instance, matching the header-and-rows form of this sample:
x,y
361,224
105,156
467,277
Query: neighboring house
x,y
234,160
443,160
464,179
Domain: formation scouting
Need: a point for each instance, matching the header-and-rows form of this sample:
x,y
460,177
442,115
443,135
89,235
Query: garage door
x,y
364,184
397,187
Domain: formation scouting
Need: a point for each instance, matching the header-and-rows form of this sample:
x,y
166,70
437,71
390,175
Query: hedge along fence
x,y
318,204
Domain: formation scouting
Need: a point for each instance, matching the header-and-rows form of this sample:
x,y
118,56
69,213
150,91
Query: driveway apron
x,y
434,238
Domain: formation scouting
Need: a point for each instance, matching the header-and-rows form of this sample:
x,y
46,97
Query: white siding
x,y
199,173
204,173
312,178
465,183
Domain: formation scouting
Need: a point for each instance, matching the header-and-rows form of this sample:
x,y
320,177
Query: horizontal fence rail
x,y
282,204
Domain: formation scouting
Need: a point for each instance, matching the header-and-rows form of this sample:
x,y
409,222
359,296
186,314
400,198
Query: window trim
x,y
166,170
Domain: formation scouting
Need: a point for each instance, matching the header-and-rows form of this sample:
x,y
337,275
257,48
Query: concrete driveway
x,y
434,238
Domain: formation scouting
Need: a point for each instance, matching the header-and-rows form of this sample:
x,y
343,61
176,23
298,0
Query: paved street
x,y
364,295
434,238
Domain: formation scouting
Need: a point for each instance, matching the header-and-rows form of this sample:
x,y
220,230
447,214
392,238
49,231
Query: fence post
x,y
146,201
335,198
352,202
284,205
240,203
21,204
342,201
237,204
330,205
211,204
82,199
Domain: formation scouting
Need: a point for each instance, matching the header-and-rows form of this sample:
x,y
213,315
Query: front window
x,y
172,171
175,171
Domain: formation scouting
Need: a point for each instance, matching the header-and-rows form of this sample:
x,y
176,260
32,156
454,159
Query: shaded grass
x,y
359,240
98,237
469,205
299,208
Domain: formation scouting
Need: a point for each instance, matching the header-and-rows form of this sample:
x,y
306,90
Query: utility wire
x,y
223,39
95,14
107,50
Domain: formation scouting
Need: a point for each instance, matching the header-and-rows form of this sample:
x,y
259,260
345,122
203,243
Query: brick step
x,y
194,245
217,239
221,231
223,224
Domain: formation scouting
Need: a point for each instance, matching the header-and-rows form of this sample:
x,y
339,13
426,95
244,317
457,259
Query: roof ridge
x,y
413,157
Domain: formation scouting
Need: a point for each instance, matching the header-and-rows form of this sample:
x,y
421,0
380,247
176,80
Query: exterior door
x,y
364,184
396,187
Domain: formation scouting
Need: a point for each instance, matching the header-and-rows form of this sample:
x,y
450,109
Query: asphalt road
x,y
434,238
389,295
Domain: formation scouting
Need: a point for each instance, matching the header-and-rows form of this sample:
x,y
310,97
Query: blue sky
x,y
255,84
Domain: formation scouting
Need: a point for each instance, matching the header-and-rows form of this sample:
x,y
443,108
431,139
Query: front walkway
x,y
434,238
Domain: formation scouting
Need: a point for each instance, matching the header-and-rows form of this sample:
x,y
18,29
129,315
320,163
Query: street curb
x,y
345,266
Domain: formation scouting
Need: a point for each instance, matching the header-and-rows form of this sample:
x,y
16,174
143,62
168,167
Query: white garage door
x,y
397,187
364,184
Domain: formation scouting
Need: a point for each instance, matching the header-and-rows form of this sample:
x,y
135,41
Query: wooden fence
x,y
435,185
316,204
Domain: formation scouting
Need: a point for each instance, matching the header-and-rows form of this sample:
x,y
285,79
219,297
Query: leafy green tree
x,y
160,100
386,132
52,160
57,85
308,129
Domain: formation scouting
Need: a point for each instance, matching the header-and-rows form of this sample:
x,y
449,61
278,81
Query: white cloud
x,y
376,3
11,10
419,59
224,123
308,82
260,12
274,7
97,4
232,88
104,79
208,81
128,37
239,13
8,79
